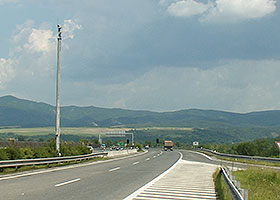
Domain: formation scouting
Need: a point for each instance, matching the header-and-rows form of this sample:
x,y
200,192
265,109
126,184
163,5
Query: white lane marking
x,y
114,169
134,194
185,181
206,156
135,163
148,159
154,156
67,167
67,182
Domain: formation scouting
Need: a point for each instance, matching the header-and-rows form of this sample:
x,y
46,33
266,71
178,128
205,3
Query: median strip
x,y
67,182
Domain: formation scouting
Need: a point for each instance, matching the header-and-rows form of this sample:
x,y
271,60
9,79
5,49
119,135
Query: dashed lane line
x,y
68,182
114,169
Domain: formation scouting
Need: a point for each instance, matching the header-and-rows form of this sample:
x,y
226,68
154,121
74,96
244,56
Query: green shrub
x,y
3,154
13,153
26,153
47,150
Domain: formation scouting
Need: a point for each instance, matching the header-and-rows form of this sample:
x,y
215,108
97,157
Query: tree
x,y
108,143
13,153
3,155
26,153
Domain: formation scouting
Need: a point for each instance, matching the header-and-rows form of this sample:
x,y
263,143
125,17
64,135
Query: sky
x,y
158,55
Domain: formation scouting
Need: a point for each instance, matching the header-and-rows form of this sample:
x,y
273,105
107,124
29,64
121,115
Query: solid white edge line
x,y
206,156
68,182
114,169
134,194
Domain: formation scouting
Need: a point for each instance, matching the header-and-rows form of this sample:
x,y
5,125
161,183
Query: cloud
x,y
187,8
3,2
223,11
7,72
238,10
69,27
40,41
33,54
239,86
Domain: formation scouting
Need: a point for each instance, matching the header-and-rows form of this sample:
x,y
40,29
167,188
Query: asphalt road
x,y
110,180
107,181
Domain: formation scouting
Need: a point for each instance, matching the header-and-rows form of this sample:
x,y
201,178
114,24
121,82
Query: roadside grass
x,y
261,183
220,186
11,170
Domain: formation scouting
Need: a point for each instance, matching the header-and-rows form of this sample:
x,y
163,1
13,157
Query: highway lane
x,y
108,180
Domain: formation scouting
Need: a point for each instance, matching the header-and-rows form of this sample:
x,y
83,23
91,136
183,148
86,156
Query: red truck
x,y
168,145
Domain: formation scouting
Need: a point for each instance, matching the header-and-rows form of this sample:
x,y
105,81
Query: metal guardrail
x,y
241,156
39,161
234,186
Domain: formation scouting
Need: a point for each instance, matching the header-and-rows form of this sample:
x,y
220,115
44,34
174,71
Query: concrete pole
x,y
132,139
57,127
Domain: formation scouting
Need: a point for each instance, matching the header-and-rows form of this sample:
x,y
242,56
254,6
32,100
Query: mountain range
x,y
26,113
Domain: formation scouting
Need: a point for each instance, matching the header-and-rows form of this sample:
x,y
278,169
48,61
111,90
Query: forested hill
x,y
25,113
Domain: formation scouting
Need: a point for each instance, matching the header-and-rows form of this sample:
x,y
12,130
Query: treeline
x,y
44,138
259,147
13,152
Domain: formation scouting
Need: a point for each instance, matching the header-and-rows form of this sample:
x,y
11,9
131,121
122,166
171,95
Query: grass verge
x,y
220,186
261,183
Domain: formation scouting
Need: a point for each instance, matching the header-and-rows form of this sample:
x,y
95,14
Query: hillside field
x,y
86,131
